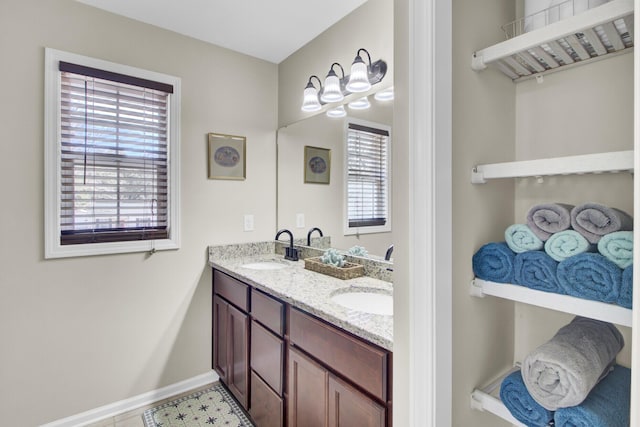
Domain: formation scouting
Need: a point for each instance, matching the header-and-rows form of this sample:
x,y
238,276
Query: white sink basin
x,y
265,265
367,301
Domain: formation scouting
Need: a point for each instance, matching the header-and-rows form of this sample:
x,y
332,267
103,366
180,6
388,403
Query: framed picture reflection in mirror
x,y
317,165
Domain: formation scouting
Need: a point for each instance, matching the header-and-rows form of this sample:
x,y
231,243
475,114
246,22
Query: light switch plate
x,y
300,220
248,222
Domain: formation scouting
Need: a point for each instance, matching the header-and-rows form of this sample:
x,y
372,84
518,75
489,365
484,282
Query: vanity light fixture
x,y
384,95
337,112
361,79
360,104
332,86
310,102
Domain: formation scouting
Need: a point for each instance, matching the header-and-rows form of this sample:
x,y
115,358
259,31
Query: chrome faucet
x,y
309,234
290,253
387,256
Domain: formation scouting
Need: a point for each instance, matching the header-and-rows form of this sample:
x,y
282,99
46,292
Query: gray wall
x,y
483,132
84,332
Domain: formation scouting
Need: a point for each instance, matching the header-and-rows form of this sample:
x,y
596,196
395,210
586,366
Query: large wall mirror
x,y
320,203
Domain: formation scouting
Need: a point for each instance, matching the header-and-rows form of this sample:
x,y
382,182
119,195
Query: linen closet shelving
x,y
595,34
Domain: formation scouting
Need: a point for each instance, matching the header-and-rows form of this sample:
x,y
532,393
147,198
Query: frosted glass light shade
x,y
332,92
337,112
384,95
360,104
359,78
310,101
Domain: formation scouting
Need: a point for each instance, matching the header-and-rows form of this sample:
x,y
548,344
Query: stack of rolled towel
x,y
584,251
572,380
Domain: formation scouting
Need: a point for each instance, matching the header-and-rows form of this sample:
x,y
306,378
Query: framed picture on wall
x,y
227,156
317,165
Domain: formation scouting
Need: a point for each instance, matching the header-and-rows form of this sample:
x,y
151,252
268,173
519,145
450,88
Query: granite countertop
x,y
311,292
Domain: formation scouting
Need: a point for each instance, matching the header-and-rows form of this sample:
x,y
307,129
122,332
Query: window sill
x,y
68,251
367,230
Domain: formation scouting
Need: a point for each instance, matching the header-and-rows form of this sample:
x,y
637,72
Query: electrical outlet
x,y
248,223
300,220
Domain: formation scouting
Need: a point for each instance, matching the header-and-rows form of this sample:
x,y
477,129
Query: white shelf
x,y
617,161
592,35
581,307
487,399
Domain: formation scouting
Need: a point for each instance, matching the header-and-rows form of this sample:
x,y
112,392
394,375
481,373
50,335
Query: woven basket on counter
x,y
348,271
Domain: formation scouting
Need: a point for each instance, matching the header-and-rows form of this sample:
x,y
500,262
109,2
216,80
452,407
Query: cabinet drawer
x,y
349,356
234,291
267,311
267,408
267,356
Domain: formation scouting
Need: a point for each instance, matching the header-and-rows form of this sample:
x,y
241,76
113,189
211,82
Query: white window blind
x,y
113,157
367,176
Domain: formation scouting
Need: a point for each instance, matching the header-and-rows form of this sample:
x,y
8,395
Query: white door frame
x,y
430,229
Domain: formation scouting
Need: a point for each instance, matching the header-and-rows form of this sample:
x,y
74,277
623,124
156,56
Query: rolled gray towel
x,y
561,372
594,220
548,218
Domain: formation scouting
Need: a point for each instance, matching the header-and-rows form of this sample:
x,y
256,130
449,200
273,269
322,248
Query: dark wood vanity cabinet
x,y
231,334
287,367
335,379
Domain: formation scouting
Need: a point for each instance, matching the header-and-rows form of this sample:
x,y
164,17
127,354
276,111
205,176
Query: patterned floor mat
x,y
211,407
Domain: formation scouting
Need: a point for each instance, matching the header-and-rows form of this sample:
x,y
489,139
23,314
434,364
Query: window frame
x,y
371,229
52,164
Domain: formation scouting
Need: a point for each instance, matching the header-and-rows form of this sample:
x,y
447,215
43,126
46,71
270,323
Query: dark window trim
x,y
368,129
114,77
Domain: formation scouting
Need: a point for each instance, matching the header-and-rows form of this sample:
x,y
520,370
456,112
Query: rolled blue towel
x,y
608,404
626,289
567,243
561,372
519,402
594,220
617,247
494,262
590,276
537,270
520,238
548,218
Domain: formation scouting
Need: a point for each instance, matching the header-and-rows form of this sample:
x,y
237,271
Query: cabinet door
x,y
349,407
266,406
220,337
308,388
238,354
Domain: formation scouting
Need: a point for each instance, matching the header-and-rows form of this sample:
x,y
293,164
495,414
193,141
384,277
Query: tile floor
x,y
134,418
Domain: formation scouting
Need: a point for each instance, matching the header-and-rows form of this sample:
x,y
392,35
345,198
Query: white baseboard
x,y
135,402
